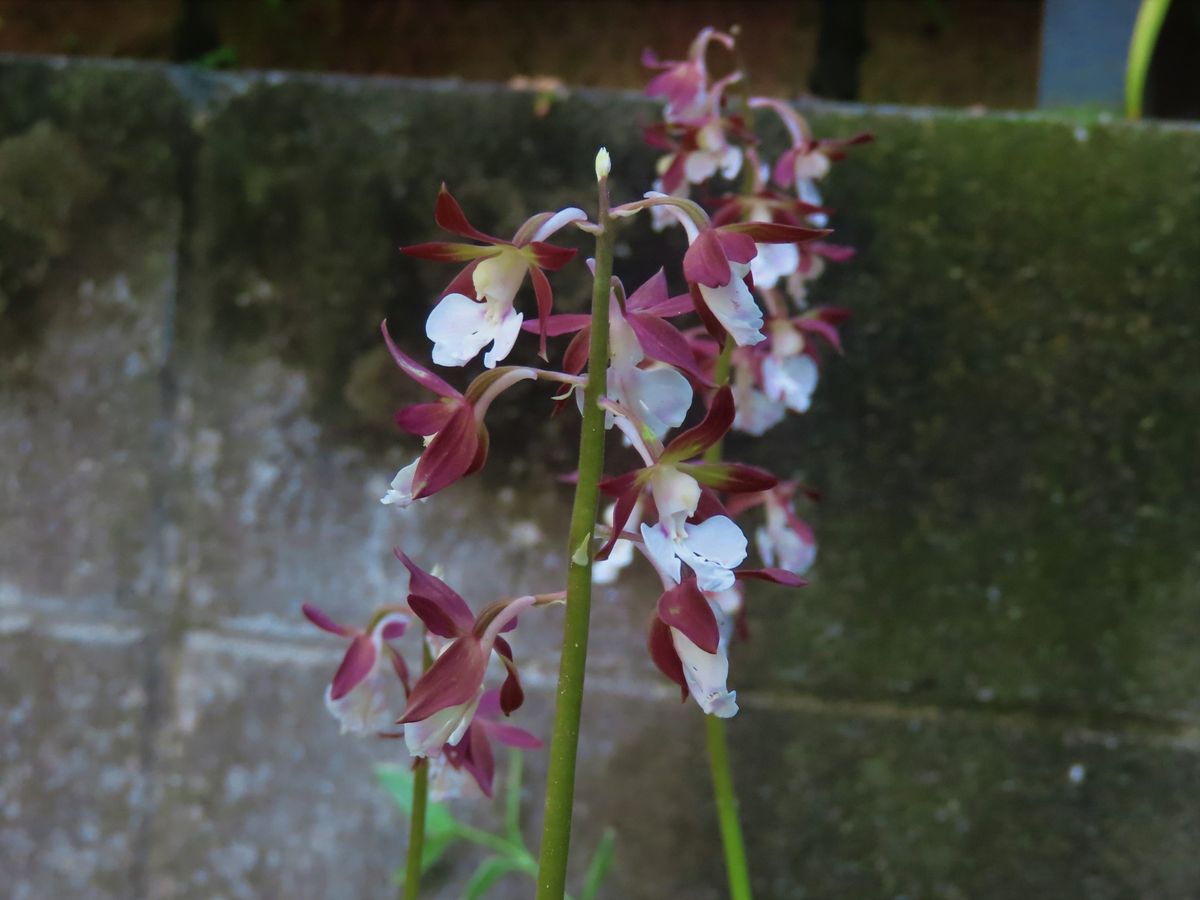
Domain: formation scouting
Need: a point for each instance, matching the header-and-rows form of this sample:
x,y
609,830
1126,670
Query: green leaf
x,y
1141,50
489,872
601,861
441,828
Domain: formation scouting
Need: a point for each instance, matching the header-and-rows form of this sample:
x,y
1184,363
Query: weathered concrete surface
x,y
989,691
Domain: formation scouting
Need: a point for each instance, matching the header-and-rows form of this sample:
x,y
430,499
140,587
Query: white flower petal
x,y
791,381
773,262
498,278
731,161
661,550
459,328
367,708
400,491
712,549
506,336
660,395
676,497
706,675
699,166
447,726
565,217
734,307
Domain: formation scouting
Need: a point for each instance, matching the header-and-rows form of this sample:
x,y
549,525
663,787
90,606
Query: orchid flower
x,y
363,691
445,697
456,440
711,546
789,375
716,264
608,570
689,639
808,160
476,309
756,412
659,394
473,751
684,83
785,540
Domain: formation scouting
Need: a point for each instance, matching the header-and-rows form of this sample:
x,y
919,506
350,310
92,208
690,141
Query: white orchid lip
x,y
735,308
428,736
712,549
706,675
461,327
400,492
791,381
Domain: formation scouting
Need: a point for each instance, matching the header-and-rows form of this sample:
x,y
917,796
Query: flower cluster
x,y
737,348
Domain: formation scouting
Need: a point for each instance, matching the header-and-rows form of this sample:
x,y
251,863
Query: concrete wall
x,y
989,691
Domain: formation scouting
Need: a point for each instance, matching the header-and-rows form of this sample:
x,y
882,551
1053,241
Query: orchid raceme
x,y
363,691
741,346
476,309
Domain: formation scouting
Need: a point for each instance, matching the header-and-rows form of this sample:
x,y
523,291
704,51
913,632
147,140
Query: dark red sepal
x,y
699,438
663,653
684,607
450,216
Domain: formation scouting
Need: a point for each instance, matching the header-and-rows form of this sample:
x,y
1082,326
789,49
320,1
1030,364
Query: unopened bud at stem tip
x,y
603,164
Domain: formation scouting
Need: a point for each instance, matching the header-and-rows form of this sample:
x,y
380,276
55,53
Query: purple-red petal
x,y
705,261
737,246
650,293
565,323
414,369
450,455
551,257
450,216
774,575
452,680
457,615
322,620
512,695
699,438
662,341
771,233
424,419
665,656
685,608
356,665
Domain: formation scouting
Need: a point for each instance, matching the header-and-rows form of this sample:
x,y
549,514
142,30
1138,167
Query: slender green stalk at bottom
x,y
560,777
416,831
715,736
420,801
727,809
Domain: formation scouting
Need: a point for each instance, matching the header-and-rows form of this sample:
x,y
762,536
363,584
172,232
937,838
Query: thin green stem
x,y
714,730
560,777
727,809
420,801
416,831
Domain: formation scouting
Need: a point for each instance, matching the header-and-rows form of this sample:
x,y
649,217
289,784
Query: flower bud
x,y
603,164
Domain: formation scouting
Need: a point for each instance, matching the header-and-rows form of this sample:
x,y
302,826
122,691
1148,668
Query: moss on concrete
x,y
1008,448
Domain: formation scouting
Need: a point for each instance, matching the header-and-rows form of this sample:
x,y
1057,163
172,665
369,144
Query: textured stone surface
x,y
1006,450
89,227
989,691
73,788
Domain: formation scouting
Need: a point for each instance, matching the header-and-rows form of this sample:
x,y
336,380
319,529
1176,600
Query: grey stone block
x,y
73,793
89,229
